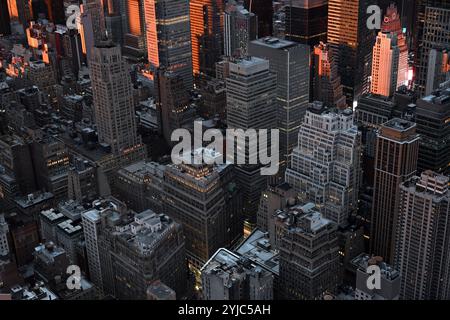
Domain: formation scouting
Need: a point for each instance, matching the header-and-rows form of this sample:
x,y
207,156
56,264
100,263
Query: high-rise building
x,y
417,30
173,103
206,35
264,11
20,10
392,23
251,104
227,276
422,238
138,249
290,62
82,181
5,28
94,9
55,11
351,42
4,230
385,61
51,165
141,186
389,279
397,147
196,196
275,198
114,28
326,83
433,125
168,37
325,166
306,21
309,254
135,17
113,99
240,27
435,33
438,70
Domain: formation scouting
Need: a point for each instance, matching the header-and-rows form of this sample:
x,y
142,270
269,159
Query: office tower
x,y
17,175
306,21
264,11
240,27
49,221
351,44
169,37
419,21
276,197
173,103
438,70
113,99
385,61
5,28
290,62
326,82
433,125
50,265
196,196
82,181
397,147
325,167
206,35
20,10
389,279
139,250
214,96
94,9
51,165
251,104
309,258
135,17
422,238
25,237
435,33
392,24
141,186
86,29
227,276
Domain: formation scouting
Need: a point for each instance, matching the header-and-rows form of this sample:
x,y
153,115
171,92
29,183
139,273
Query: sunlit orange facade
x,y
204,15
13,11
134,17
151,32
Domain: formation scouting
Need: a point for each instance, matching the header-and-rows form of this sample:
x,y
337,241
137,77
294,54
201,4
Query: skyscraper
x,y
435,33
422,238
290,62
392,23
94,9
397,147
5,28
168,37
309,258
325,166
351,41
326,82
196,197
240,27
385,64
173,103
264,11
56,12
113,99
438,70
206,35
306,21
433,125
227,276
251,104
